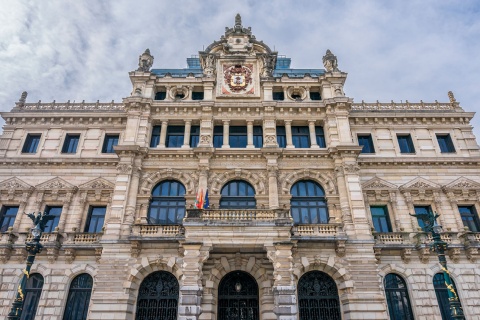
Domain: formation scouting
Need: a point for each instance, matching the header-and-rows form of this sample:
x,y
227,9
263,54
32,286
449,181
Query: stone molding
x,y
188,178
324,177
255,178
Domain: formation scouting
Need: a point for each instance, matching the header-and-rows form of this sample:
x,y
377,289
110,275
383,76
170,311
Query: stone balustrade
x,y
403,106
70,106
147,230
232,215
317,230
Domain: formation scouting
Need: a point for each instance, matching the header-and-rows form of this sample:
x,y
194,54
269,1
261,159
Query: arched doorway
x,y
238,297
158,297
318,297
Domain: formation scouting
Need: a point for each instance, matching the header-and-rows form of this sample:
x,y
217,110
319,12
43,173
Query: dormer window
x,y
315,96
278,96
160,95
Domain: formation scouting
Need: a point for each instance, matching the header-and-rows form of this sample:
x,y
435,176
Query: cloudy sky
x,y
392,50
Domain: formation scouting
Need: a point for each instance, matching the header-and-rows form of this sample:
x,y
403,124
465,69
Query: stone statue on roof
x,y
330,61
209,65
268,65
145,61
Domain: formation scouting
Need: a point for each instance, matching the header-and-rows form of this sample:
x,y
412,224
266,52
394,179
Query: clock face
x,y
237,79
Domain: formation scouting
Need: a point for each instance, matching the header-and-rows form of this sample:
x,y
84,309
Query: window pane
x,y
281,137
33,290
441,292
79,298
445,143
168,203
155,140
194,136
300,137
7,217
110,141
470,218
421,210
31,143
217,136
70,143
380,219
237,194
320,137
55,212
96,219
367,143
398,300
308,204
405,143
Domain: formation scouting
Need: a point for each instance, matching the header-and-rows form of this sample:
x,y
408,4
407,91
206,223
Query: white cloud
x,y
392,50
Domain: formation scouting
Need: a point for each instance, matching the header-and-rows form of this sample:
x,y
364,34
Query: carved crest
x,y
378,184
237,77
13,184
97,184
56,184
463,183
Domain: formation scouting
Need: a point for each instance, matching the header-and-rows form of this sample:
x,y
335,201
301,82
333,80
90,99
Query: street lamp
x,y
439,246
33,248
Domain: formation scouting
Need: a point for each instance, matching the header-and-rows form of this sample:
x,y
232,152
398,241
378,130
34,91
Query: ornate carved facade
x,y
309,193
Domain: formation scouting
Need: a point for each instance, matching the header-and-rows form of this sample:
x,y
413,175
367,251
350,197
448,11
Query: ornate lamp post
x,y
33,248
440,246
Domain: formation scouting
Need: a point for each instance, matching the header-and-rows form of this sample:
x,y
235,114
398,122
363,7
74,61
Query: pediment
x,y
13,184
378,184
462,183
55,184
420,184
97,184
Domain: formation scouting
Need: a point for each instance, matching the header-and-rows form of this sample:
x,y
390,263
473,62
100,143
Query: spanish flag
x,y
199,200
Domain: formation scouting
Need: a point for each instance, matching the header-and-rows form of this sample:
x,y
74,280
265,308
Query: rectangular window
x,y
257,136
110,141
281,137
300,137
70,144
161,95
217,136
422,210
95,220
405,143
31,143
366,141
55,212
7,217
194,136
237,137
445,143
197,95
320,136
381,221
175,135
155,139
470,218
315,96
278,96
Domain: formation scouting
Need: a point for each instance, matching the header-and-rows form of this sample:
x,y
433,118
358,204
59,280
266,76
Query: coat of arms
x,y
238,78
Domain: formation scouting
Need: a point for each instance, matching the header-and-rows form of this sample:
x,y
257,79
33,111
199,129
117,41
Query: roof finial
x,y
451,97
238,20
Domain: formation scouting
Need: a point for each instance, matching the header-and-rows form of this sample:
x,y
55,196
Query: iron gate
x,y
158,297
318,297
238,297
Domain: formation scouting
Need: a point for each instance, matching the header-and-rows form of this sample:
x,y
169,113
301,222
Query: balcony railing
x,y
317,230
241,215
146,231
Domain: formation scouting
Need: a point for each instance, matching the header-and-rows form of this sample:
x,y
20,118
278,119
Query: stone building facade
x,y
309,195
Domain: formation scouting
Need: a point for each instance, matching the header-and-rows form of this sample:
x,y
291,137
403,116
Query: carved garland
x,y
188,178
217,181
325,179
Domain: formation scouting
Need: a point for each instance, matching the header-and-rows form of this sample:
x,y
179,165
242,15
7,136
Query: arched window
x,y
33,290
79,298
441,292
158,297
238,194
238,297
168,203
308,204
398,301
318,297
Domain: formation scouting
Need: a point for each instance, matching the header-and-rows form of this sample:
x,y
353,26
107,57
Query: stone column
x,y
250,134
273,186
191,287
284,287
226,133
186,136
65,207
288,133
307,92
454,204
343,195
313,136
131,203
163,134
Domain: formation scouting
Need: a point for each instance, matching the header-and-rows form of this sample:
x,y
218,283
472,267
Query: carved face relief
x,y
238,79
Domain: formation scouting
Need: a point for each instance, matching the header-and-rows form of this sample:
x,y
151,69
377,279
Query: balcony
x,y
332,231
240,217
150,231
